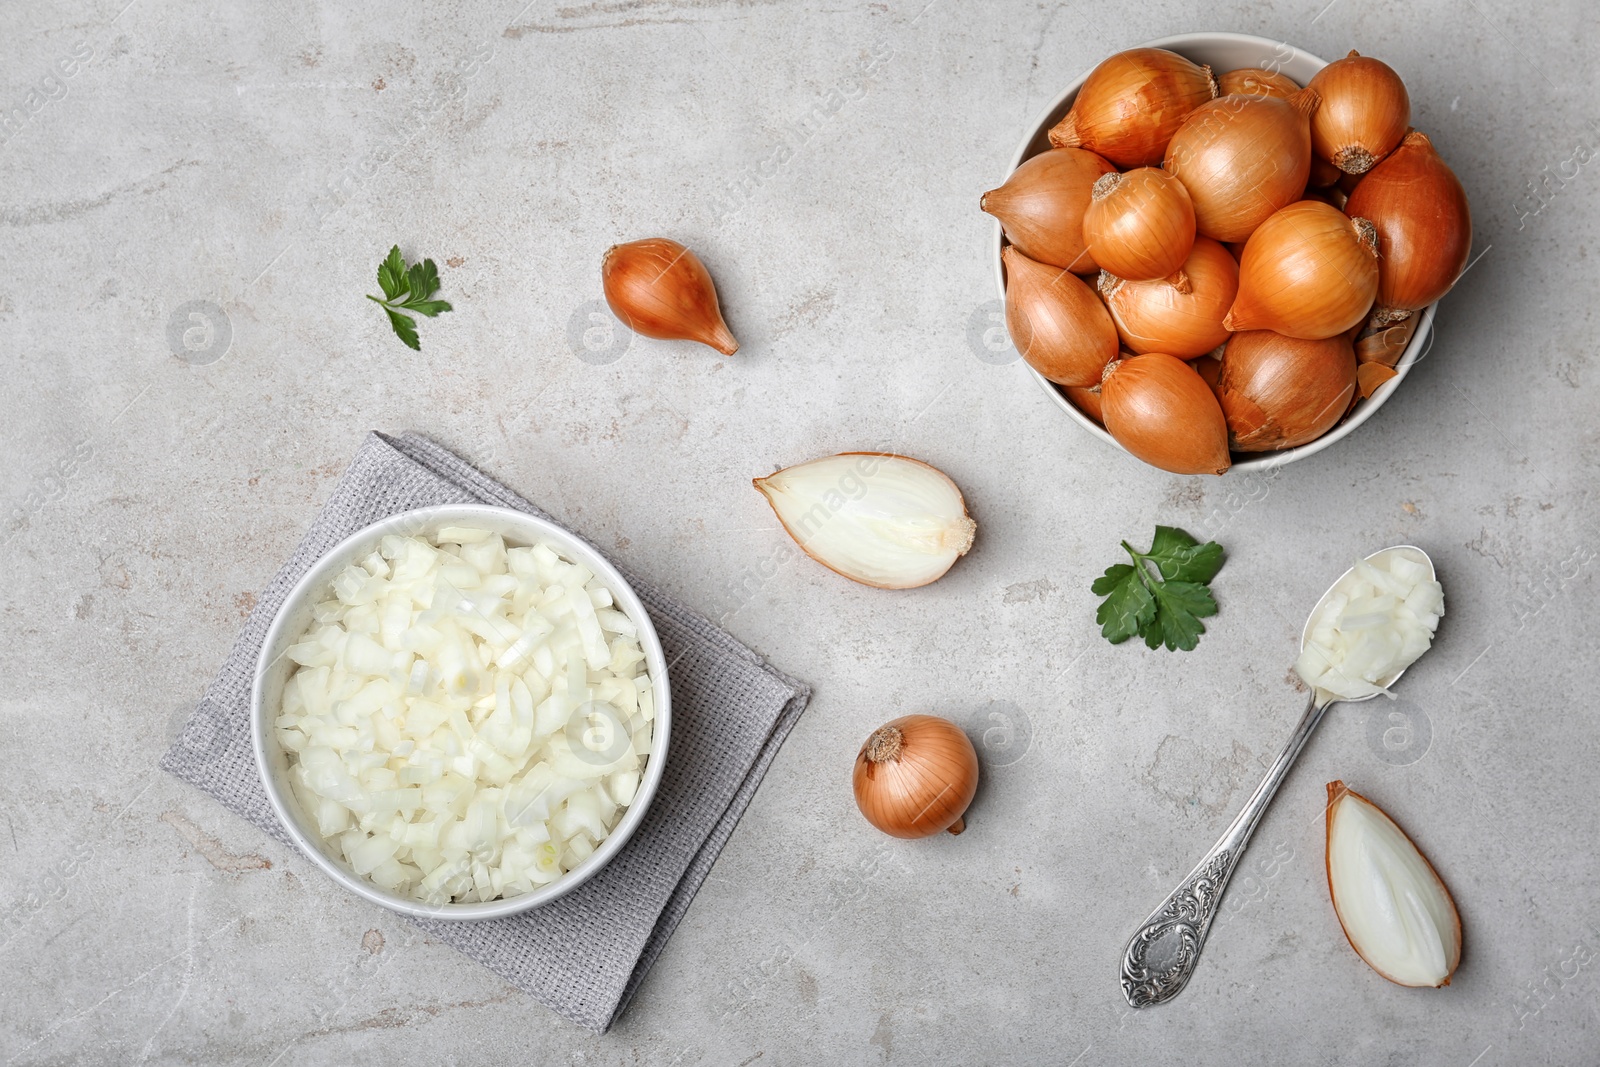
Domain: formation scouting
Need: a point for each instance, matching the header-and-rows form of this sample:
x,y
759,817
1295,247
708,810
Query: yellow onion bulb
x,y
1282,392
1140,224
1253,81
1364,112
660,289
1056,322
1130,106
1041,206
914,777
1424,226
1159,408
1241,158
1181,314
1309,271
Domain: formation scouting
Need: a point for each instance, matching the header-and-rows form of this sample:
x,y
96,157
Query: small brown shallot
x,y
1256,82
1131,104
1159,409
1280,392
1253,81
1424,226
1139,225
1181,314
1057,323
1241,158
1041,206
660,289
914,777
1364,112
1309,271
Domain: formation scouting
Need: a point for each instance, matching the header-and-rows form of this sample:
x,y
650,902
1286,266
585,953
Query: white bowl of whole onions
x,y
461,712
1220,252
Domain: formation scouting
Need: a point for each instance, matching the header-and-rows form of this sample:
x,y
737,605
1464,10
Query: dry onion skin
x,y
1309,271
1253,81
1158,408
1365,110
1041,206
1424,225
1139,225
659,288
1242,158
1370,376
883,520
467,720
1130,106
1394,908
1281,392
1180,315
1385,344
915,777
1056,322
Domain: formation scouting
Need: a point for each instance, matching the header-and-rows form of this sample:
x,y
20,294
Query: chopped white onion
x,y
466,721
1374,624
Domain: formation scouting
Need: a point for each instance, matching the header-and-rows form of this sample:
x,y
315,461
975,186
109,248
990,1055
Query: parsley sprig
x,y
416,285
1164,606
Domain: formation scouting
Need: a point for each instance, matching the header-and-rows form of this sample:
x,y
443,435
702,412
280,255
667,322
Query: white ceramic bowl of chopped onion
x,y
461,712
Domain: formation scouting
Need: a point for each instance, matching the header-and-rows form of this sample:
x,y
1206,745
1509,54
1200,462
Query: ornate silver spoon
x,y
1162,957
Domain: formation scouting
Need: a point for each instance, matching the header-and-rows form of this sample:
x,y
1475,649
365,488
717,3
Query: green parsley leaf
x,y
416,285
392,274
1163,605
406,327
1181,556
1128,607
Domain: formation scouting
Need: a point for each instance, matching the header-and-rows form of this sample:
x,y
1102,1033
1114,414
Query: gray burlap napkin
x,y
585,954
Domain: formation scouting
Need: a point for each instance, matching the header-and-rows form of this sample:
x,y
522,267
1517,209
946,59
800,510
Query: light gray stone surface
x,y
190,157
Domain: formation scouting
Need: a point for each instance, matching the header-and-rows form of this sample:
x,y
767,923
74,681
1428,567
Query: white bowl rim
x,y
1420,340
574,548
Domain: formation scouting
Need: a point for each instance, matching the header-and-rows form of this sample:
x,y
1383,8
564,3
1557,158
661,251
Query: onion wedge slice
x,y
1395,910
877,518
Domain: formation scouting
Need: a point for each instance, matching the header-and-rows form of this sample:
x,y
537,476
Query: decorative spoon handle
x,y
1162,956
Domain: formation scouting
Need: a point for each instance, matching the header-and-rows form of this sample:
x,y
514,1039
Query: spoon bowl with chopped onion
x,y
461,712
1370,625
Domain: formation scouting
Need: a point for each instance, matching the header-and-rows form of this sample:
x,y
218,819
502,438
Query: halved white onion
x,y
1396,912
883,520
